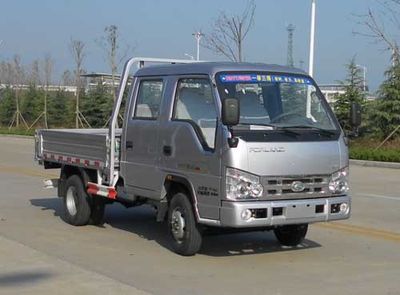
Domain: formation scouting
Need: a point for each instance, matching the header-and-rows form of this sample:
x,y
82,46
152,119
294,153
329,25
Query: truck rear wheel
x,y
291,235
97,208
79,207
182,225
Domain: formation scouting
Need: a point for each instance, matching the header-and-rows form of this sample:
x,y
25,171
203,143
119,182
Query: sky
x,y
163,28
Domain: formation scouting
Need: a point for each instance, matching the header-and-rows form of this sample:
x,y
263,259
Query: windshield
x,y
276,100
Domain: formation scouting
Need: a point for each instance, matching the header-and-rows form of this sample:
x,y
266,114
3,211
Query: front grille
x,y
292,187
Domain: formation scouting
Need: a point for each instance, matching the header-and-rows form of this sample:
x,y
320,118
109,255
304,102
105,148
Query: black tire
x,y
77,209
186,236
291,235
97,208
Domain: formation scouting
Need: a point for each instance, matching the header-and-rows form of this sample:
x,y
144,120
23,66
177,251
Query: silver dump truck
x,y
239,146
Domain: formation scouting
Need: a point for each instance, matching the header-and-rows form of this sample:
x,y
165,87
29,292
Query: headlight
x,y
242,185
339,183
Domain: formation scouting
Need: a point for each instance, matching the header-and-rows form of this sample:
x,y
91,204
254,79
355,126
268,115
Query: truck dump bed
x,y
77,147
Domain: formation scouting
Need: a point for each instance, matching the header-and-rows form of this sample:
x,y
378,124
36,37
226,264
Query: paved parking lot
x,y
130,254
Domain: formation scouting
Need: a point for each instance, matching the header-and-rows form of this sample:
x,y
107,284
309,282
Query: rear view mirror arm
x,y
233,141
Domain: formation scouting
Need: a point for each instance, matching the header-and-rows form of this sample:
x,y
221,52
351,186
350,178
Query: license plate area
x,y
300,210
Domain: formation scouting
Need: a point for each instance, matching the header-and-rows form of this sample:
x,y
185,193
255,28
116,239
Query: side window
x,y
148,100
195,103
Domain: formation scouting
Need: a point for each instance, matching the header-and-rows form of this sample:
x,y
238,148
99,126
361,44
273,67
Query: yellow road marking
x,y
360,230
26,172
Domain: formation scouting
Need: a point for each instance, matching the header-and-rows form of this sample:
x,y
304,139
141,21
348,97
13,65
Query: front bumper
x,y
283,212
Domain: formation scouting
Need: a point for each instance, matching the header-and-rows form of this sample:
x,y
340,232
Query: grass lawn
x,y
365,149
15,131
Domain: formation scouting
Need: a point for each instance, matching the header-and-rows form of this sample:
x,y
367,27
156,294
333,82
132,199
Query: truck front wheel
x,y
291,235
182,225
76,202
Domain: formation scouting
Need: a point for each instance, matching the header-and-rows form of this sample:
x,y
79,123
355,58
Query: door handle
x,y
129,145
167,150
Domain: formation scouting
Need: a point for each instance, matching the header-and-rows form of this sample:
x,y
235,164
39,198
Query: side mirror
x,y
230,111
355,115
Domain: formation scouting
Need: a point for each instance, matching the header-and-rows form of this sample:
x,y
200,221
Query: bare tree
x,y
48,69
77,49
19,71
17,79
3,68
110,43
48,72
48,64
34,77
6,75
66,78
375,23
229,32
9,74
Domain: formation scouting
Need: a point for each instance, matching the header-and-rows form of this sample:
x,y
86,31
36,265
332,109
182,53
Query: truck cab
x,y
289,161
229,145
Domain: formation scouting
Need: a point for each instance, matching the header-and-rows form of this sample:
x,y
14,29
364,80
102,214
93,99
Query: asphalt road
x,y
130,254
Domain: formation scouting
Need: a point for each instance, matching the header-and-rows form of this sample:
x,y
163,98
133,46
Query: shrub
x,y
370,154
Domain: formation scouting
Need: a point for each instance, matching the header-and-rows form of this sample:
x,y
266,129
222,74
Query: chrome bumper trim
x,y
294,212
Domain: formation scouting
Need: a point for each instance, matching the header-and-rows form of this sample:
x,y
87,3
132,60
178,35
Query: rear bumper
x,y
285,212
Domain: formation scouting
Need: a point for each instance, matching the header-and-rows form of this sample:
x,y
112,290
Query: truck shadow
x,y
23,278
141,222
250,243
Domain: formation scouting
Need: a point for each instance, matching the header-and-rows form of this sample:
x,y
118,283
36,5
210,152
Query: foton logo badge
x,y
297,186
267,150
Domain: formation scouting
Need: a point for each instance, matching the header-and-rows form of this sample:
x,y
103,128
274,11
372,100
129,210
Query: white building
x,y
330,91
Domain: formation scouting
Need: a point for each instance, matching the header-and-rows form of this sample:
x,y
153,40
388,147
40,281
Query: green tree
x,y
369,125
387,114
7,105
97,105
32,103
58,109
353,85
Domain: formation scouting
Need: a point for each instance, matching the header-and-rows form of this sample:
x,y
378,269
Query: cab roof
x,y
211,68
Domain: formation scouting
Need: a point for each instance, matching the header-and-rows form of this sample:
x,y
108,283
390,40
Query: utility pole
x,y
198,36
290,61
312,39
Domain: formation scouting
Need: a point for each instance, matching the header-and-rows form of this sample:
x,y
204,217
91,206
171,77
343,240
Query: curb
x,y
364,163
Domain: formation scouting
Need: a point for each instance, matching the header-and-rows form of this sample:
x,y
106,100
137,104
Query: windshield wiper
x,y
269,127
257,124
321,130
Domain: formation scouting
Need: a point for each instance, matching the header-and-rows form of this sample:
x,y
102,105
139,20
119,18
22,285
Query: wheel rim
x,y
178,225
70,201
